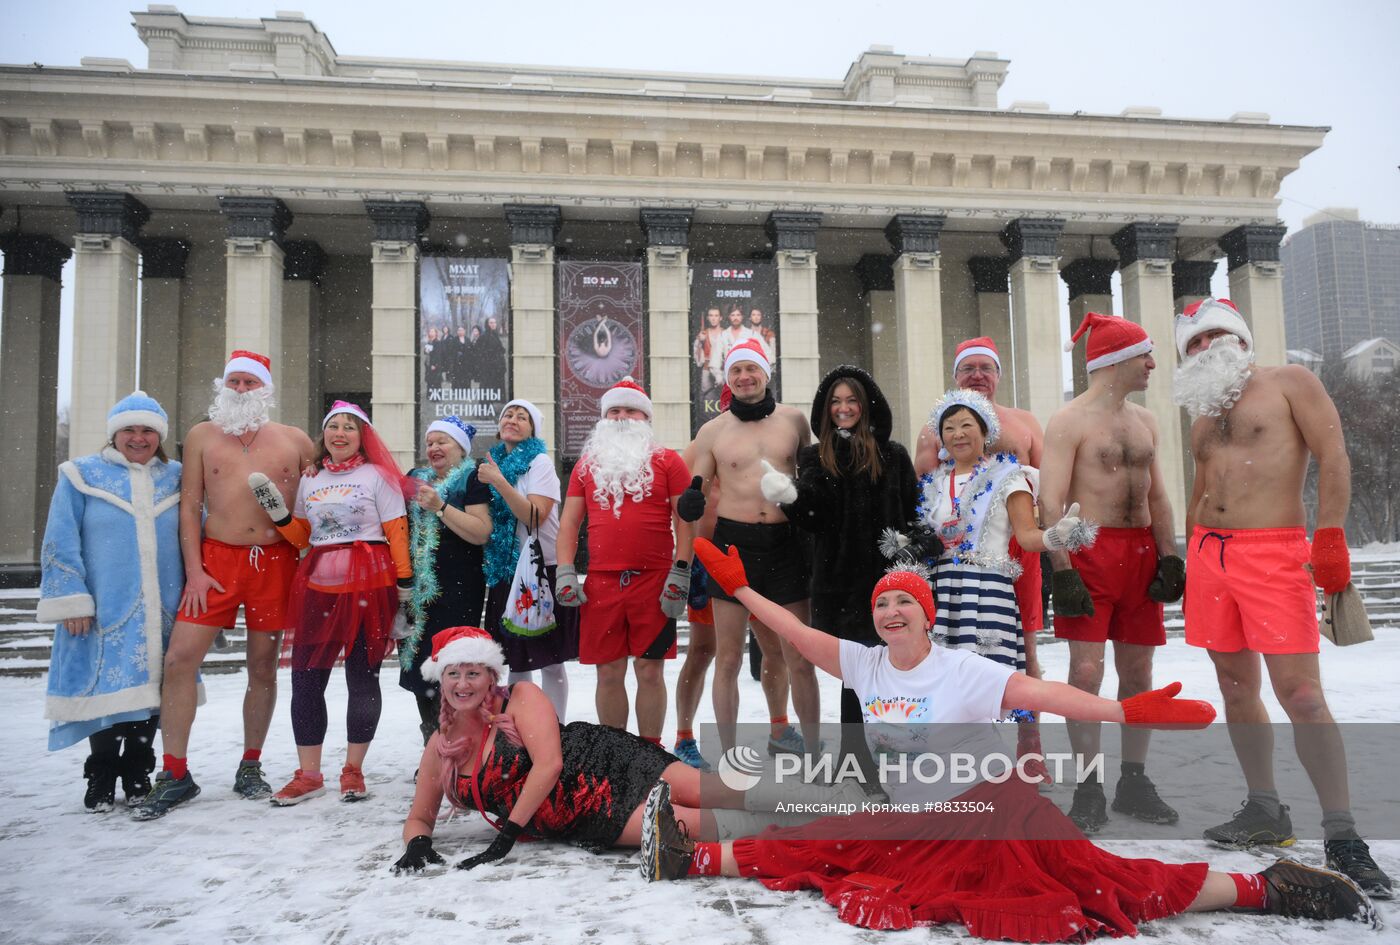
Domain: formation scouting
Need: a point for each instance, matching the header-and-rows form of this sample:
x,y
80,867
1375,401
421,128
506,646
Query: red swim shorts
x,y
257,576
1117,569
623,618
1247,589
1027,586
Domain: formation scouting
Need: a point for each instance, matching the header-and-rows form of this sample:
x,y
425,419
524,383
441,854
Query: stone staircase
x,y
25,643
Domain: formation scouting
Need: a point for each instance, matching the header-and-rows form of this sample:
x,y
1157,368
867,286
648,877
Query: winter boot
x,y
138,761
1308,892
1089,809
1136,796
101,775
666,845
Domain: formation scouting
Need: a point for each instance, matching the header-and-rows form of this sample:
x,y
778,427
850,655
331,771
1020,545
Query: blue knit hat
x,y
138,409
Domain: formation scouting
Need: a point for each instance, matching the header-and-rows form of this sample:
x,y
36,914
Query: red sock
x,y
178,767
778,720
684,734
705,860
654,741
252,754
1251,892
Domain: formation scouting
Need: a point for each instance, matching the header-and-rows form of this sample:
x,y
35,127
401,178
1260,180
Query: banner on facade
x,y
601,341
730,303
464,342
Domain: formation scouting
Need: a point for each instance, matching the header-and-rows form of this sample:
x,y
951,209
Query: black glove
x,y
419,855
498,848
1069,594
691,504
1170,582
925,544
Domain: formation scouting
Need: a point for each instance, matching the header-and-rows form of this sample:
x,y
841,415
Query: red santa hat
x,y
250,362
1111,340
912,583
983,346
625,393
1208,315
749,350
463,645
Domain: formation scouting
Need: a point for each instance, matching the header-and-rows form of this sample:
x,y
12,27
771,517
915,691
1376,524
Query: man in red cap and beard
x,y
233,556
638,557
1101,452
1250,594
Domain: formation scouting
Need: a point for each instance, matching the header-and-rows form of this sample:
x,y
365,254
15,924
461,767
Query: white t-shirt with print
x,y
541,479
348,506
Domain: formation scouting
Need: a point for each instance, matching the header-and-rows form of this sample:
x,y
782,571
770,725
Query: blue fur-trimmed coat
x,y
111,552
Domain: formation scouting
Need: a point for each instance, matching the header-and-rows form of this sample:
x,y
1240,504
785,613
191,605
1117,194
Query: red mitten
x,y
1160,708
726,570
1331,562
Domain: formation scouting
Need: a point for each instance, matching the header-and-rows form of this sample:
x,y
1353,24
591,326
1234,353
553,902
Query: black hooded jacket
x,y
847,513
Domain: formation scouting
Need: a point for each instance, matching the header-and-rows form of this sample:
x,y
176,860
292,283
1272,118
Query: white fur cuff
x,y
54,609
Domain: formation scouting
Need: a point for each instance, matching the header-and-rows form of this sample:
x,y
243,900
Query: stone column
x,y
28,391
1090,283
668,323
104,312
1144,260
1035,314
534,229
300,393
1256,287
794,237
397,229
990,283
918,322
253,288
876,275
162,283
1190,283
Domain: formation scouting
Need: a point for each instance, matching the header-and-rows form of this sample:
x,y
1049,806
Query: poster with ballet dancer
x,y
464,340
730,303
602,321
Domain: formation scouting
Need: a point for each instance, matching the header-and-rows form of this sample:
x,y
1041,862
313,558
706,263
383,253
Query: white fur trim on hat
x,y
466,650
249,366
341,406
459,435
625,394
1208,315
138,410
748,351
1117,357
974,350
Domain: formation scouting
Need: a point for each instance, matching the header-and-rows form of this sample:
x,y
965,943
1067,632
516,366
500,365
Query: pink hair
x,y
456,754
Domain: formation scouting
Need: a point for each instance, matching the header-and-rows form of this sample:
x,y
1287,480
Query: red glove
x,y
726,570
1331,562
1160,708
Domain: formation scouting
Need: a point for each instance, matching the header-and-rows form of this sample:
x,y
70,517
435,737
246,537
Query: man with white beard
x,y
233,556
1248,590
638,571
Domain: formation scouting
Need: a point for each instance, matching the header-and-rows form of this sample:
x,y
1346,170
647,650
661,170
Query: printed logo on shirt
x,y
341,511
897,709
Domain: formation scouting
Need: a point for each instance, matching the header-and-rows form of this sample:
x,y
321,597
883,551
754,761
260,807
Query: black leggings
x,y
140,739
361,712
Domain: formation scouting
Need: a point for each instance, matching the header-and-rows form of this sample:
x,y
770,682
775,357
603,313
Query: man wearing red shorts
x,y
234,556
1101,452
638,571
1249,597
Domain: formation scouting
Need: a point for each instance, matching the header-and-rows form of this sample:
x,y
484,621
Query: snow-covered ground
x,y
228,870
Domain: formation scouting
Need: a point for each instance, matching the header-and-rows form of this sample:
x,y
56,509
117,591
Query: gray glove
x,y
1071,532
567,589
675,593
270,498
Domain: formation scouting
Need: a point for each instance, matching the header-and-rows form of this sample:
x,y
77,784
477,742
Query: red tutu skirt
x,y
895,871
339,592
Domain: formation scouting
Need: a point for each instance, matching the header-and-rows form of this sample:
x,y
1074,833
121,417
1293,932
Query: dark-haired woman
x,y
852,484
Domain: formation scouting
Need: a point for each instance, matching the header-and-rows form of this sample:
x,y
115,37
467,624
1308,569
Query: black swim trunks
x,y
774,556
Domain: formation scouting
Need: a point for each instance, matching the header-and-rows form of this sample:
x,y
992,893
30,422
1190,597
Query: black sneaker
x,y
138,761
1347,853
250,783
168,793
1310,892
667,849
1090,808
101,775
1253,827
1136,796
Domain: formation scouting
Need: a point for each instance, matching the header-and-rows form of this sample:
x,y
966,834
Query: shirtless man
x,y
1249,593
1101,451
977,366
732,448
237,558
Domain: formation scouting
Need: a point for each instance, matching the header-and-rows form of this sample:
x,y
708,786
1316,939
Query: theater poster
x,y
730,303
601,341
464,340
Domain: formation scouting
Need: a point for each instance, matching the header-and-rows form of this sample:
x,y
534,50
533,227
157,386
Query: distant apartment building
x,y
1341,284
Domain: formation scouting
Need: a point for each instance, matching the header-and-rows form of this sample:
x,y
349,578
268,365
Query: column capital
x,y
1191,277
163,257
34,255
1138,241
989,273
793,229
108,213
914,233
667,227
533,223
257,218
1030,236
303,262
1252,243
876,273
1089,277
400,221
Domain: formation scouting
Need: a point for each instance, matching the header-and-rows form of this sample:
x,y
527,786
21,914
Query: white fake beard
x,y
618,457
1210,382
237,413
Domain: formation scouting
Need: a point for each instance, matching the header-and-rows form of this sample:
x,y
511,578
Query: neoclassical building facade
x,y
252,188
